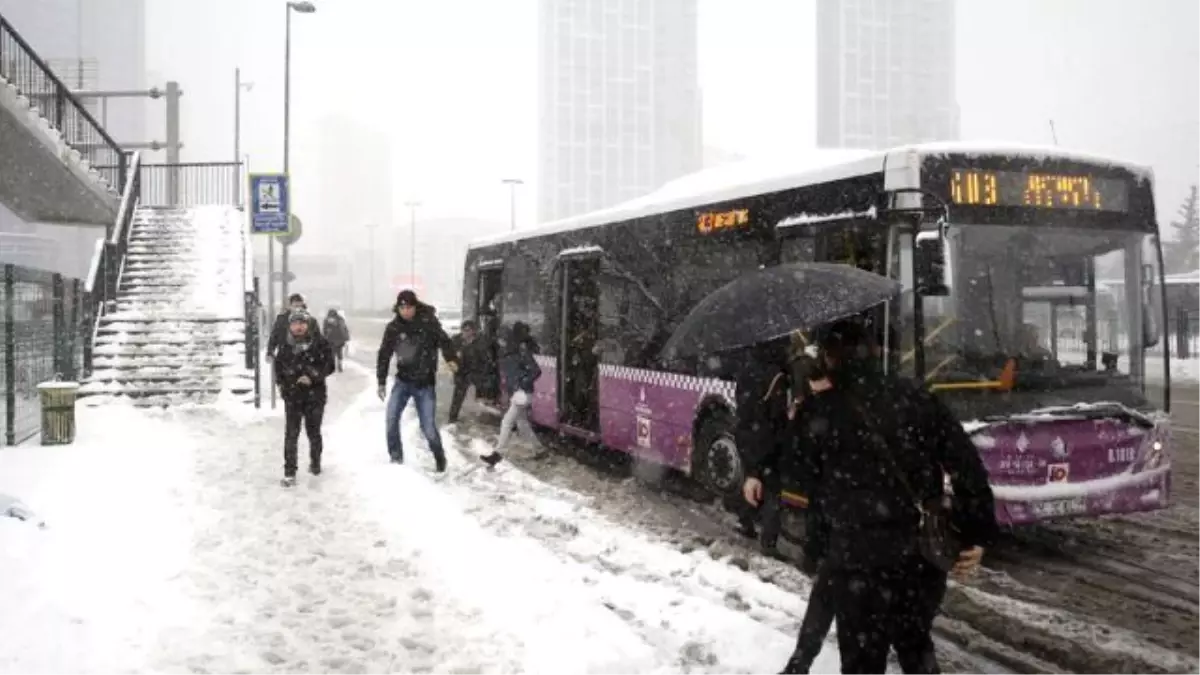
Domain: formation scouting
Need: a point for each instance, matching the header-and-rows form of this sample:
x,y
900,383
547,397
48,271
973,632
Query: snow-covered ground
x,y
170,546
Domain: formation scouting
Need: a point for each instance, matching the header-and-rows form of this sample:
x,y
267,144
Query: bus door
x,y
579,365
489,299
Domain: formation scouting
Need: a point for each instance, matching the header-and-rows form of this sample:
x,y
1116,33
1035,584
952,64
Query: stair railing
x,y
23,69
108,262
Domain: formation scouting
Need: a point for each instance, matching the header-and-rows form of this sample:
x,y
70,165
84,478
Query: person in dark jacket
x,y
762,407
863,444
474,364
338,334
413,338
279,331
520,371
303,362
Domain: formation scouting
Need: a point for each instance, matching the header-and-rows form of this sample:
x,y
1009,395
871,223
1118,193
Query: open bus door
x,y
579,367
489,310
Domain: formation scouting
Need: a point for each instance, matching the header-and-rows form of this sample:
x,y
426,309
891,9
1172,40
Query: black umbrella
x,y
775,301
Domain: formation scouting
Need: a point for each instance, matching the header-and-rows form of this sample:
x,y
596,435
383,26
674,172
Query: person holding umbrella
x,y
875,449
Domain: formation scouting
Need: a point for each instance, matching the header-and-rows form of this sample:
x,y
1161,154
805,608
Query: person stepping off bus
x,y
520,371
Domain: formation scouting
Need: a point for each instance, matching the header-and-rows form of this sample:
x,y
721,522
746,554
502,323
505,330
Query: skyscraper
x,y
885,72
619,101
92,44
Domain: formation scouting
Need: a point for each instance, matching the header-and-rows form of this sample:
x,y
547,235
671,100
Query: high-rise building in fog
x,y
885,72
619,101
92,45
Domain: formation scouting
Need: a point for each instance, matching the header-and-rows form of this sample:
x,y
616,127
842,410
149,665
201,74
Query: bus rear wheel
x,y
719,466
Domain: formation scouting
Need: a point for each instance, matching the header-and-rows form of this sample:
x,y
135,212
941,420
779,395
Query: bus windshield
x,y
1048,308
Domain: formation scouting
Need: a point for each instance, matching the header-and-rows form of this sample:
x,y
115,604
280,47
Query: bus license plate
x,y
1060,507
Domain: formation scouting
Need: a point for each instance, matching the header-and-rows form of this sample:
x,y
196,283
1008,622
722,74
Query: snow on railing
x,y
94,268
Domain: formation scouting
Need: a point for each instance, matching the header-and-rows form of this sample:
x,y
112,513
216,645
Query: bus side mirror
x,y
930,275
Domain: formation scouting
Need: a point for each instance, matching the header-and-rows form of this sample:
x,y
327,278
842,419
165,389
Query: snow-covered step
x,y
198,328
154,363
177,334
175,314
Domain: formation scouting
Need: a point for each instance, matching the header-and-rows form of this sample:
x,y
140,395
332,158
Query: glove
x,y
382,391
453,366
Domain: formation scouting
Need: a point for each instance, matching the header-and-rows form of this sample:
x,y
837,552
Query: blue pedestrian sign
x,y
270,203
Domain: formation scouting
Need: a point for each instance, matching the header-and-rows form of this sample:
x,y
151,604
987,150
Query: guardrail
x,y
24,70
191,184
104,277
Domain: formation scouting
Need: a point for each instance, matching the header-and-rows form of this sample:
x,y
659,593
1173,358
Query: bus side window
x,y
628,323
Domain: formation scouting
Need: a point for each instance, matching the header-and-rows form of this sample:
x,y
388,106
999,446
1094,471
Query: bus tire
x,y
718,464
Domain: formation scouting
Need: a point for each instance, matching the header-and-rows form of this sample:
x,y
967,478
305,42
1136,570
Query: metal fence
x,y
44,328
32,78
191,184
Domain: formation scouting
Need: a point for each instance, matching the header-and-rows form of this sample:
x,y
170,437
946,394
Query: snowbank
x,y
80,594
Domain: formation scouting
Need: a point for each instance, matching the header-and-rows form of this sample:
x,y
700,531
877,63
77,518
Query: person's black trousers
x,y
818,617
880,608
461,384
308,411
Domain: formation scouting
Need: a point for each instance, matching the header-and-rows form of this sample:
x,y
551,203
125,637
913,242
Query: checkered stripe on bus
x,y
705,385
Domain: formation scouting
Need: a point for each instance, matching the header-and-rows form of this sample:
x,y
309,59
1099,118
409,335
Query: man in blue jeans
x,y
413,338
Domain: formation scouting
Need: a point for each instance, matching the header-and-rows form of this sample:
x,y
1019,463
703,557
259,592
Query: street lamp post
x,y
238,88
302,7
371,263
412,224
512,184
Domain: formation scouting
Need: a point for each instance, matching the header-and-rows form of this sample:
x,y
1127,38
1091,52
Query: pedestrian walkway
x,y
178,550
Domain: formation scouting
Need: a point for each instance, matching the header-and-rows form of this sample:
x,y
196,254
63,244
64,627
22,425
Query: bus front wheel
x,y
719,466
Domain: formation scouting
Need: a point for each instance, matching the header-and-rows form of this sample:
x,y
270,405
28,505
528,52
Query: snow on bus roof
x,y
1023,150
765,175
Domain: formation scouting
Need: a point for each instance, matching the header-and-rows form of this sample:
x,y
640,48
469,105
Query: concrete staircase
x,y
177,333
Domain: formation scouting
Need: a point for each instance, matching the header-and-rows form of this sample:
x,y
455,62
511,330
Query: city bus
x,y
998,249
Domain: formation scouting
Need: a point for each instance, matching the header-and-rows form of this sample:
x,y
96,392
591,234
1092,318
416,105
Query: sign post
x,y
270,211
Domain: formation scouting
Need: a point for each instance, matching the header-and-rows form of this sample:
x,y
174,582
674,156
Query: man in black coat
x,y
303,361
413,338
863,444
338,334
474,361
762,406
279,331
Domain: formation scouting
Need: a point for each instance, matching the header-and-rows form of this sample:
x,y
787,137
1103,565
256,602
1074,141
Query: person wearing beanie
x,y
413,338
302,364
279,332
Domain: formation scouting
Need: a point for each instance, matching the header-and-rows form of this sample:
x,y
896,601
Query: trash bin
x,y
58,412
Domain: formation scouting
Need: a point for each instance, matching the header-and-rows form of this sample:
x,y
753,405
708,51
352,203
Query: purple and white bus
x,y
1023,235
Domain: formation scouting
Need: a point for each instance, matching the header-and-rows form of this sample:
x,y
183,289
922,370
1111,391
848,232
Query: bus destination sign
x,y
710,222
973,187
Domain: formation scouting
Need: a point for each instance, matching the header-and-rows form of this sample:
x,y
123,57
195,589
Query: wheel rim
x,y
724,464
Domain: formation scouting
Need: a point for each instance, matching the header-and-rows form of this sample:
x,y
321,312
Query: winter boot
x,y
440,463
315,468
288,481
493,459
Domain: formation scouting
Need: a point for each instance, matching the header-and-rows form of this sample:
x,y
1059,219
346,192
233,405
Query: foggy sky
x,y
454,85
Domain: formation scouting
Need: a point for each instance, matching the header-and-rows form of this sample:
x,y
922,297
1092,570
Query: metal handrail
x,y
62,97
108,262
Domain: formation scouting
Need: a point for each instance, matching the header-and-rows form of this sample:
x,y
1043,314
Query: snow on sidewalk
x,y
170,546
92,591
584,593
